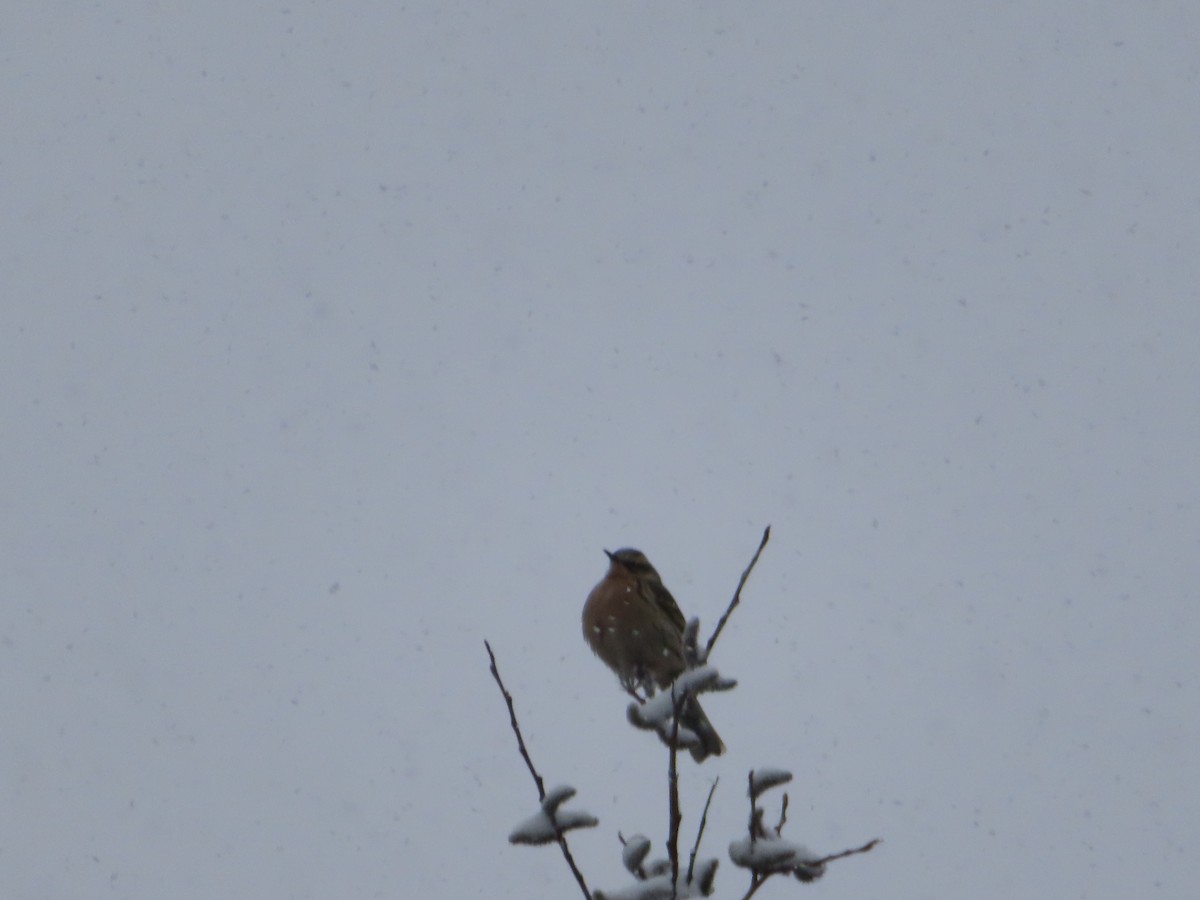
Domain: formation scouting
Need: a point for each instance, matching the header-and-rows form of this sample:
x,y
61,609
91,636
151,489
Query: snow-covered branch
x,y
548,823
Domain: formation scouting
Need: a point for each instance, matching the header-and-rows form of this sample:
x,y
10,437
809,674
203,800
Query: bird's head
x,y
633,561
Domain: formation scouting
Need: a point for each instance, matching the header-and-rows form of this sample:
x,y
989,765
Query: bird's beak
x,y
611,558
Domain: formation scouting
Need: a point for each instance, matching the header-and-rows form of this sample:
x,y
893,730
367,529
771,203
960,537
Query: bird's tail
x,y
693,718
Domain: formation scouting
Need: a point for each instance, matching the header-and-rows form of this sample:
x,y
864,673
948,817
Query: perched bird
x,y
632,622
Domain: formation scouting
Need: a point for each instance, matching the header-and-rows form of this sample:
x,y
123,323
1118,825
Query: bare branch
x,y
700,830
537,779
675,815
756,881
737,595
512,718
755,823
865,848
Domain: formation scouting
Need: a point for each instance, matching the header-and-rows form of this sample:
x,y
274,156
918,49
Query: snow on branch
x,y
765,852
637,848
548,823
773,855
765,778
659,712
657,888
655,880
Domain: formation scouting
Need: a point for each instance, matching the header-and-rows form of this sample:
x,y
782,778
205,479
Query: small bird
x,y
632,622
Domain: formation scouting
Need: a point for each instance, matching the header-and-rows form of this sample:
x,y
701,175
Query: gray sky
x,y
338,338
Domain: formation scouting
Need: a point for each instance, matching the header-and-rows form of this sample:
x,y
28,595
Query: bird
x,y
632,622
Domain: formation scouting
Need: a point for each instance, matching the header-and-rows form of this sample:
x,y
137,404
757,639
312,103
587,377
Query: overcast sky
x,y
339,337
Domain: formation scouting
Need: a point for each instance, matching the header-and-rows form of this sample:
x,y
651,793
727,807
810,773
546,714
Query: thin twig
x,y
782,816
673,793
700,830
754,811
865,848
512,718
750,794
537,779
737,595
756,881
